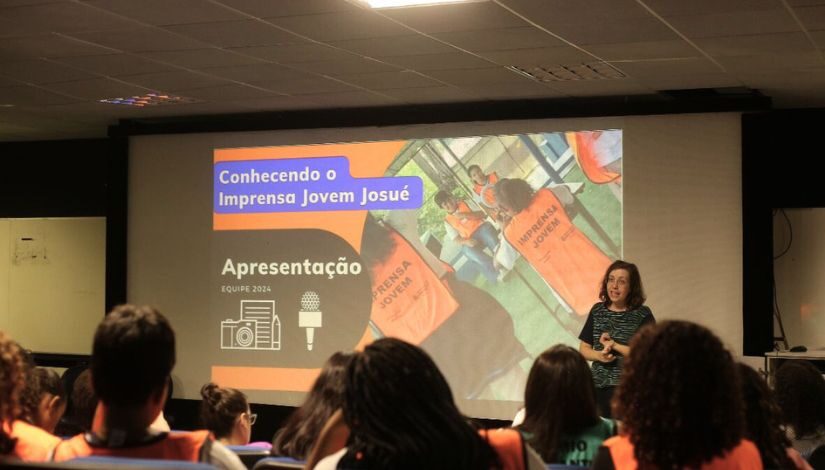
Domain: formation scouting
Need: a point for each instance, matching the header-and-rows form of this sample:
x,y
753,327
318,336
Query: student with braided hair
x,y
400,414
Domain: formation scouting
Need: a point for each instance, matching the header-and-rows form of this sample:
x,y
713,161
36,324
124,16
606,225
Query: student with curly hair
x,y
400,414
680,403
303,426
611,324
561,420
18,439
800,391
763,423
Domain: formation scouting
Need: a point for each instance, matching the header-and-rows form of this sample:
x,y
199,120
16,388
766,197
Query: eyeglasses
x,y
252,418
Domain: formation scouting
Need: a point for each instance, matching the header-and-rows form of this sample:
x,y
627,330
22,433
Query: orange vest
x,y
508,446
487,191
33,443
584,149
744,456
408,300
567,260
184,446
465,226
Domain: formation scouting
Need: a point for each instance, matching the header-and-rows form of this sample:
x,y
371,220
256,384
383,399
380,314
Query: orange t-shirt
x,y
487,191
584,148
564,257
33,444
408,300
508,445
744,456
184,446
465,226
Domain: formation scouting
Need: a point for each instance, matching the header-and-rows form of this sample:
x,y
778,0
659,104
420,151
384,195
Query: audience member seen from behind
x,y
225,412
44,399
610,325
800,391
18,439
763,423
303,426
132,356
84,401
561,420
401,415
680,403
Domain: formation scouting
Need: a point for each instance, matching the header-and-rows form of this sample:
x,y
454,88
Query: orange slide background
x,y
366,160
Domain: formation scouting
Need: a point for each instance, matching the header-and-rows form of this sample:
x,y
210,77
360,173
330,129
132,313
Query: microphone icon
x,y
310,315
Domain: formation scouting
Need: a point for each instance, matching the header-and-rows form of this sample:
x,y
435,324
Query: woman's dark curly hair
x,y
679,396
800,391
296,437
401,412
636,294
763,420
12,382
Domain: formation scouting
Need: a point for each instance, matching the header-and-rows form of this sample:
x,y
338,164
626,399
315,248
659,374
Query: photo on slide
x,y
482,250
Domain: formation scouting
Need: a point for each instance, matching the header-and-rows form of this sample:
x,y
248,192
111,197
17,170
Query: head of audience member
x,y
296,437
800,391
514,195
12,384
446,201
622,285
84,401
401,412
44,399
132,357
679,397
225,412
763,420
559,398
476,174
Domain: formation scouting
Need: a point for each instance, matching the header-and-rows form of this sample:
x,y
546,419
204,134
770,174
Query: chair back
x,y
279,463
250,455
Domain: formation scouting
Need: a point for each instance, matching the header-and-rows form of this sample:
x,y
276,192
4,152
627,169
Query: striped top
x,y
621,326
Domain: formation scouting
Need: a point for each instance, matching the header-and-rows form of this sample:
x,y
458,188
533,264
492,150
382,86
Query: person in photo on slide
x,y
472,231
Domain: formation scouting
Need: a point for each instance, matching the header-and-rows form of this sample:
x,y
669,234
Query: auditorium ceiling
x,y
60,58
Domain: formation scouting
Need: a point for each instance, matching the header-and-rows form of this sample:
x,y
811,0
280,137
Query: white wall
x,y
52,287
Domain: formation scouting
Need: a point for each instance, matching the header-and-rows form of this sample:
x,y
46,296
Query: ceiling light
x,y
570,72
150,99
411,3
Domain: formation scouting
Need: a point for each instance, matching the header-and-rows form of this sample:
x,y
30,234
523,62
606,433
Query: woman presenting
x,y
610,325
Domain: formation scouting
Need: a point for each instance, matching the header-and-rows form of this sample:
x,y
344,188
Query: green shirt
x,y
581,448
621,326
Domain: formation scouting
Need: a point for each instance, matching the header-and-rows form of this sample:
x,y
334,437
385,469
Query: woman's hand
x,y
607,341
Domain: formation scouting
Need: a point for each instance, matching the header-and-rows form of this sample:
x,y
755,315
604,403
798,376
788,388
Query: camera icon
x,y
238,334
259,328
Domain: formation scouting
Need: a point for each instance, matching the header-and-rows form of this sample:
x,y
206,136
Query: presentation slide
x,y
482,250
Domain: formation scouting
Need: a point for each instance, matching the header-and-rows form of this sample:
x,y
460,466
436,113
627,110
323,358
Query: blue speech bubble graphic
x,y
308,185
